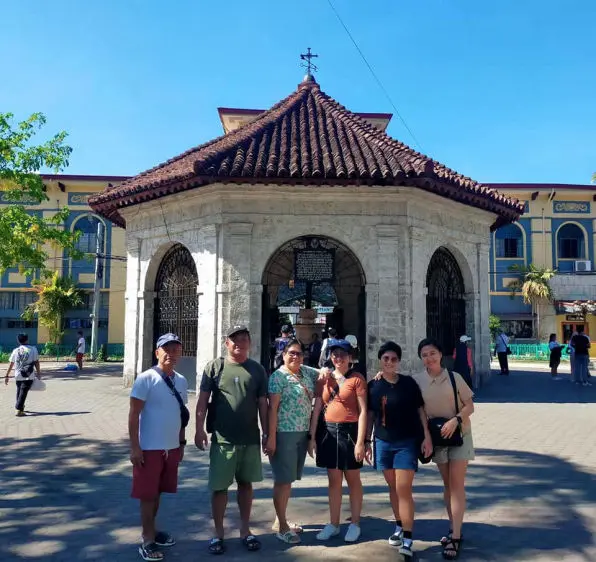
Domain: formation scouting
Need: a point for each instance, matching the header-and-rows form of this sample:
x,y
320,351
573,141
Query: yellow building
x,y
557,230
71,191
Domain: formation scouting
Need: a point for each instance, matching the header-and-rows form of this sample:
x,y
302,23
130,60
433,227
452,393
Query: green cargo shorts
x,y
228,462
287,463
442,455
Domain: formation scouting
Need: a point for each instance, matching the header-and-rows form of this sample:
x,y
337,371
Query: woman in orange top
x,y
340,438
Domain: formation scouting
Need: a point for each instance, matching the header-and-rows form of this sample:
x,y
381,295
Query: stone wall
x,y
232,232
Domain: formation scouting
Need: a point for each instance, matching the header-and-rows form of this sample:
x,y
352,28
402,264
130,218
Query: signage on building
x,y
79,198
314,263
577,207
325,309
289,310
6,198
574,318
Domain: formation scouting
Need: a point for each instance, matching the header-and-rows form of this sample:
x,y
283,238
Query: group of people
x,y
331,413
579,356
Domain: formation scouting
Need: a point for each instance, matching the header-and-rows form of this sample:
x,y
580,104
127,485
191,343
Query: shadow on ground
x,y
67,498
535,388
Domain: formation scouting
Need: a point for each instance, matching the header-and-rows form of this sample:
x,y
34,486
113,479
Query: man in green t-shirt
x,y
237,387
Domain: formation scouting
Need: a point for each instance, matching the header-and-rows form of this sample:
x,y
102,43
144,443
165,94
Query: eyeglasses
x,y
389,359
295,353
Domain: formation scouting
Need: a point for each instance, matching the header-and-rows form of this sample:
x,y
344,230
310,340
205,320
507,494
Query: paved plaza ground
x,y
65,481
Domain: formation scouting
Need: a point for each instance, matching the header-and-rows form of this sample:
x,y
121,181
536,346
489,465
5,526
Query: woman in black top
x,y
396,413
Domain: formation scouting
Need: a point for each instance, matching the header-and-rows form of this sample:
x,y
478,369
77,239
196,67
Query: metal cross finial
x,y
309,64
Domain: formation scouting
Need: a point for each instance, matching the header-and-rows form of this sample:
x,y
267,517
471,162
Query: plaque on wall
x,y
314,263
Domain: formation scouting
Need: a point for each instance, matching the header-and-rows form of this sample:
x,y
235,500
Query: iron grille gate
x,y
176,305
445,303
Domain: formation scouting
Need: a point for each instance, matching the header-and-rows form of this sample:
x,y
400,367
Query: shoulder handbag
x,y
321,425
184,413
210,425
507,348
436,424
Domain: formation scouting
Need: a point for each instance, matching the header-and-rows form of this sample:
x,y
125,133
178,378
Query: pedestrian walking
x,y
340,437
314,351
237,387
156,427
291,393
463,360
581,344
280,344
396,413
555,356
502,351
24,359
80,350
449,405
324,355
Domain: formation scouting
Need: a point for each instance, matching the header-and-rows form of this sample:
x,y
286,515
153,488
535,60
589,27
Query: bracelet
x,y
309,436
183,443
368,440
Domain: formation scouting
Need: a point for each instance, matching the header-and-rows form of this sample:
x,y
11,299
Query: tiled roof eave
x,y
109,203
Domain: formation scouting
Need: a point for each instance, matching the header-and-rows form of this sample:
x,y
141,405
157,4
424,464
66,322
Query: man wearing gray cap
x,y
237,387
156,423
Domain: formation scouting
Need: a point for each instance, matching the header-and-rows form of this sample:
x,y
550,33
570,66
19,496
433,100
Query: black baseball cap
x,y
237,330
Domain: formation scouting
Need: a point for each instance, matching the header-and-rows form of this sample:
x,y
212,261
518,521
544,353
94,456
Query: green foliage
x,y
533,284
101,354
26,239
4,356
49,348
494,325
55,296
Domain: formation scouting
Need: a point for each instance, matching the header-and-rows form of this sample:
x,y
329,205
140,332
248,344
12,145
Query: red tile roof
x,y
307,138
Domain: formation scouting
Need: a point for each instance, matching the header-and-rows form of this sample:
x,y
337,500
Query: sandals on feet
x,y
216,546
251,543
451,550
289,537
164,539
447,538
294,527
150,551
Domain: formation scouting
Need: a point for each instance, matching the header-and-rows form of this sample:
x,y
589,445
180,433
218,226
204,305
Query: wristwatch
x,y
459,420
309,436
183,443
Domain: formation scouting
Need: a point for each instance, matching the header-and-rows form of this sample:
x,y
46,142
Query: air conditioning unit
x,y
583,265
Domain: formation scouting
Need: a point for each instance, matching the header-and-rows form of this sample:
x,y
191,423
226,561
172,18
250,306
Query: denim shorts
x,y
396,455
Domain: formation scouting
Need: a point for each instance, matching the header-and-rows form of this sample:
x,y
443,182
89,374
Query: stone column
x,y
372,327
146,300
131,328
481,332
416,330
234,288
390,305
256,319
208,342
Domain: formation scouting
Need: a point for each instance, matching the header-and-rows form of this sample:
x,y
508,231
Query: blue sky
x,y
500,91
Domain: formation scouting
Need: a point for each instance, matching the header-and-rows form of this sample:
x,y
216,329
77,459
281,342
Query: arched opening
x,y
509,242
177,306
314,283
445,302
571,242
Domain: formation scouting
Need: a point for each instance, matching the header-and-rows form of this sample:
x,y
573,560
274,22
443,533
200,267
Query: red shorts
x,y
79,357
159,473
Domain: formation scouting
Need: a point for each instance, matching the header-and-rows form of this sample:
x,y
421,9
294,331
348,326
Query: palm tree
x,y
55,296
534,286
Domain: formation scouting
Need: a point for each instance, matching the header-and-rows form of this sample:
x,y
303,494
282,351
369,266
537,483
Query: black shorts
x,y
554,362
335,446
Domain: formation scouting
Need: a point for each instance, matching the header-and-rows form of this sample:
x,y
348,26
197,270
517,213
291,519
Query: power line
x,y
375,76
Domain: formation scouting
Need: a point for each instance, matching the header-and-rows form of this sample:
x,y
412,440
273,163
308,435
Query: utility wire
x,y
375,76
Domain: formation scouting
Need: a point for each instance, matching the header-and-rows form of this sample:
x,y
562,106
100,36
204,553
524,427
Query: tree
x,y
534,286
26,238
55,296
494,325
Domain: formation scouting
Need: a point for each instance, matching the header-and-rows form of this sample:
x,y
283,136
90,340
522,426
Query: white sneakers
x,y
329,531
353,533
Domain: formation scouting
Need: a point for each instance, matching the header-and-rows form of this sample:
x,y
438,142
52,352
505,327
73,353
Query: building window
x,y
509,242
87,226
570,242
16,300
521,329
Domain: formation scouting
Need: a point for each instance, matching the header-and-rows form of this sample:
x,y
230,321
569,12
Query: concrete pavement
x,y
65,482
